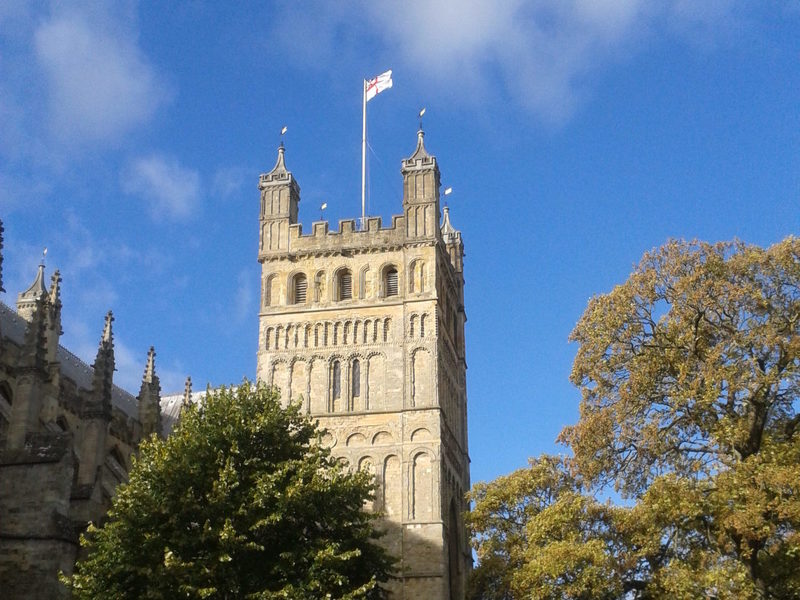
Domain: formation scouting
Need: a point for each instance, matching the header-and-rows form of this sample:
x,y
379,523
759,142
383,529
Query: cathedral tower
x,y
366,329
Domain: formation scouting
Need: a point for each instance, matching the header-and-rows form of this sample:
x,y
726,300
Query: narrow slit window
x,y
356,385
336,383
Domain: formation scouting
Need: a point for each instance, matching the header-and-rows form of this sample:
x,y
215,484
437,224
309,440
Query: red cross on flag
x,y
373,87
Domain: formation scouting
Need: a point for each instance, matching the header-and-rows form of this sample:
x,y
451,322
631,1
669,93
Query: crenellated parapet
x,y
374,237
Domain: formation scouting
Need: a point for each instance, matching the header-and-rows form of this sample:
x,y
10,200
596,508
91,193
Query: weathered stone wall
x,y
37,537
364,327
66,437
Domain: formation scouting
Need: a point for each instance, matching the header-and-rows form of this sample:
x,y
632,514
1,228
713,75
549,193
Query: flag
x,y
373,87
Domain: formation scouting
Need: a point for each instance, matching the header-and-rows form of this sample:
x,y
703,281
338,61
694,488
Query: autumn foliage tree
x,y
241,501
690,382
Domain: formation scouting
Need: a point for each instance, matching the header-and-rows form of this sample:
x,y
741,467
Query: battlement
x,y
321,240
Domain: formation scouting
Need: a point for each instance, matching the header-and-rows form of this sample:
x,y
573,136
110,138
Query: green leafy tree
x,y
241,501
690,382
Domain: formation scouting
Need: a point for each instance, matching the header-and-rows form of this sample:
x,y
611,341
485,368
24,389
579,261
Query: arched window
x,y
271,289
356,383
362,282
299,288
344,284
390,282
319,286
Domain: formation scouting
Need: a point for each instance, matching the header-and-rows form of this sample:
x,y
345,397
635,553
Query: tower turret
x,y
421,192
28,300
452,240
32,376
150,398
280,196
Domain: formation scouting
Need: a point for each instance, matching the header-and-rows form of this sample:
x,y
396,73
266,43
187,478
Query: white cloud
x,y
536,54
98,81
244,302
229,181
172,191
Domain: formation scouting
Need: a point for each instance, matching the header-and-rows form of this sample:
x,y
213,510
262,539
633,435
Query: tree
x,y
241,501
537,535
690,382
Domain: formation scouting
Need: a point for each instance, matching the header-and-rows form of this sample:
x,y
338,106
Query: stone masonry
x,y
66,438
365,327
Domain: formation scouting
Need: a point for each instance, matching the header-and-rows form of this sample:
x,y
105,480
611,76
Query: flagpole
x,y
363,148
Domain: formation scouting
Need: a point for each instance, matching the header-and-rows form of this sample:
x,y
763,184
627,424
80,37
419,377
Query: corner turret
x,y
421,192
28,300
452,240
27,408
280,197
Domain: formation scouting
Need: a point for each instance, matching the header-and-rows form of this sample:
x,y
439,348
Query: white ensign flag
x,y
373,87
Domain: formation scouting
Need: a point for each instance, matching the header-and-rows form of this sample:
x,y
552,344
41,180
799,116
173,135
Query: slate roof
x,y
171,408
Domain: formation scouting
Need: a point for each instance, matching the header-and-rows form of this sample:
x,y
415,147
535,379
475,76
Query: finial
x,y
37,288
150,366
447,229
421,112
55,287
283,132
44,255
280,164
187,392
107,335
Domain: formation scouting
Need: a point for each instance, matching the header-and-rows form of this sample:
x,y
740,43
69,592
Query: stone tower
x,y
365,327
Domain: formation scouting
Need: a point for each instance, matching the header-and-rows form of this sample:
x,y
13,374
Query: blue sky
x,y
576,135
